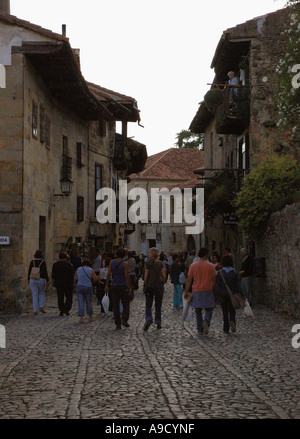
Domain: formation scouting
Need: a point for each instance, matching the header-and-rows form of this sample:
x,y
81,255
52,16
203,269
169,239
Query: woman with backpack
x,y
38,281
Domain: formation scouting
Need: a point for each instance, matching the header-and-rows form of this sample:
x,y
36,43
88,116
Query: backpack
x,y
35,271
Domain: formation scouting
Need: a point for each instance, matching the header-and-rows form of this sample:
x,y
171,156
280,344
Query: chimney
x,y
64,29
5,6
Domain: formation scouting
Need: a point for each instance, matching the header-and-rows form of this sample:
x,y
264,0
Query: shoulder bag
x,y
94,283
238,301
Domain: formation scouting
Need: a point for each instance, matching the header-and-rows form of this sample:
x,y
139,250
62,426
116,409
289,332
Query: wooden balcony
x,y
232,117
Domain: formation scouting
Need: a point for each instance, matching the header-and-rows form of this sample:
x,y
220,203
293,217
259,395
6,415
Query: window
x,y
81,156
42,234
67,161
34,120
80,209
174,238
211,150
243,153
42,123
98,183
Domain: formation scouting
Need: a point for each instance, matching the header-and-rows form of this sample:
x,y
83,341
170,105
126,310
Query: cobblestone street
x,y
54,367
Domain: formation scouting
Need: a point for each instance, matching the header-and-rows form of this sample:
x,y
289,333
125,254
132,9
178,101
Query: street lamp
x,y
66,184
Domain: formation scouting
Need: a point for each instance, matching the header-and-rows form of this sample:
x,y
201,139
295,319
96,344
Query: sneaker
x,y
42,310
147,324
126,324
61,314
35,313
158,326
205,328
118,327
67,313
232,326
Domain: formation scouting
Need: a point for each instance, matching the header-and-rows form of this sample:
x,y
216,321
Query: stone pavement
x,y
54,367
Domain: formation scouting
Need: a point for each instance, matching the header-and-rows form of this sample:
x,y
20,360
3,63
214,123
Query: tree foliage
x,y
187,139
288,80
267,189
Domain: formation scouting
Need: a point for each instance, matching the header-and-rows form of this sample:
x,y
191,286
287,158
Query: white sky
x,y
157,51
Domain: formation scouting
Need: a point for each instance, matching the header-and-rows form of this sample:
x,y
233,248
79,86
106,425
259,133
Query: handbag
x,y
105,303
182,278
36,271
238,301
248,311
187,314
93,282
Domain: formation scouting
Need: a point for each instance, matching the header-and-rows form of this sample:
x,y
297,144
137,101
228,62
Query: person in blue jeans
x,y
83,282
232,279
118,282
38,286
154,279
176,269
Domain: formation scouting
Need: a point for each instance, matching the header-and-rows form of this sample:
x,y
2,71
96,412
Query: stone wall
x,y
280,289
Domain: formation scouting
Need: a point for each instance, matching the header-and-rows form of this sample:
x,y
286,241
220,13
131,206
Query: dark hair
x,y
175,256
216,254
203,252
227,261
120,253
38,254
228,249
63,255
87,262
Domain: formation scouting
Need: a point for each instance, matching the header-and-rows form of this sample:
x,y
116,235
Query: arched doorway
x,y
191,245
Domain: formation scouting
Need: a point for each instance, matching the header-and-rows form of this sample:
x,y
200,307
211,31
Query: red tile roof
x,y
173,164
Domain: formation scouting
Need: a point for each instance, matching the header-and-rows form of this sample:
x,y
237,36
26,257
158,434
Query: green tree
x,y
288,86
187,139
267,189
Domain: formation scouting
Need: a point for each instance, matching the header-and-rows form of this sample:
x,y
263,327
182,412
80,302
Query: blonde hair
x,y
154,252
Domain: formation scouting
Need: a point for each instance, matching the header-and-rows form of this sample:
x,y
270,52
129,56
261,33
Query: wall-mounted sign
x,y
4,240
229,218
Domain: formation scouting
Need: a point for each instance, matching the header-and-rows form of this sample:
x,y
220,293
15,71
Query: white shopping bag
x,y
105,303
248,311
187,314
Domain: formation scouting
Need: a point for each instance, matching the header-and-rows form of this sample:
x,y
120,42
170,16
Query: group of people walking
x,y
199,279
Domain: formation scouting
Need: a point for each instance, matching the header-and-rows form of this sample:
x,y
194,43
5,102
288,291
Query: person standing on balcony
x,y
233,92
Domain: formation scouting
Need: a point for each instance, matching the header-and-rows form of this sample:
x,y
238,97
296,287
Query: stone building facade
x,y
173,168
56,130
239,136
280,246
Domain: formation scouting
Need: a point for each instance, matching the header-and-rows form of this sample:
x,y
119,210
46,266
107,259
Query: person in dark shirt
x,y
246,274
63,276
232,279
176,269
